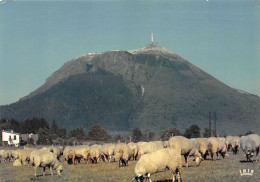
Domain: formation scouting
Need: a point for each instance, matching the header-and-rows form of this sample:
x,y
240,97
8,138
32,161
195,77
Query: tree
x,y
137,135
192,132
97,132
169,132
151,136
206,133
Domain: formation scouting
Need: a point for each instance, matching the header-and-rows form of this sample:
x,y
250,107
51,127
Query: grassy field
x,y
227,169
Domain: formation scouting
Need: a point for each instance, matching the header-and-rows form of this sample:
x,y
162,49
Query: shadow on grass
x,y
245,161
164,181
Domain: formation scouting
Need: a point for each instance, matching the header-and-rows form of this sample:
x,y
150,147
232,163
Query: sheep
x,y
43,158
76,153
134,149
68,154
122,154
156,161
186,148
24,155
202,146
107,151
2,155
235,144
217,146
228,142
94,153
58,151
8,155
250,144
149,147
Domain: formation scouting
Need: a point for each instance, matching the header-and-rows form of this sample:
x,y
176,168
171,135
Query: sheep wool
x,y
122,154
134,149
217,146
185,147
250,144
43,158
159,160
108,151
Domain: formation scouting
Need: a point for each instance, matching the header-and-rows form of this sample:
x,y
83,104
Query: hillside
x,y
151,88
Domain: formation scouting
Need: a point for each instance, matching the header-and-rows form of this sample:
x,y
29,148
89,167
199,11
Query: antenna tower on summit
x,y
152,37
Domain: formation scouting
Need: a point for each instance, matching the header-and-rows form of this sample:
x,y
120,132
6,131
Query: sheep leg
x,y
51,170
43,171
257,152
186,160
35,169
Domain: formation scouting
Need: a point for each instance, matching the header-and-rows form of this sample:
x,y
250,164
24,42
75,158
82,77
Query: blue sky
x,y
36,38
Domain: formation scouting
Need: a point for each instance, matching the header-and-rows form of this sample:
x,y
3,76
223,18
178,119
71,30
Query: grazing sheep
x,y
149,147
186,148
2,155
122,154
202,146
156,161
134,149
8,155
24,155
76,153
250,144
217,146
43,158
228,142
235,144
107,151
68,154
94,153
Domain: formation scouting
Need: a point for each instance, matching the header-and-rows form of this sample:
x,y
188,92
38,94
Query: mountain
x,y
151,88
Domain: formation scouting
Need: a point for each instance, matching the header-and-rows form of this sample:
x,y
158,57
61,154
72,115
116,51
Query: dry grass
x,y
220,170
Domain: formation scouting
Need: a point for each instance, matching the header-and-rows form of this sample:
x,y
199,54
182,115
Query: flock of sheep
x,y
152,156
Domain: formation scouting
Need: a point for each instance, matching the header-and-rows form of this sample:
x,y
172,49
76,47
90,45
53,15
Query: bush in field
x,y
192,132
169,132
98,133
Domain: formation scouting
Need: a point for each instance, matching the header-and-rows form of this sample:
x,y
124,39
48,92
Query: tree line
x,y
55,135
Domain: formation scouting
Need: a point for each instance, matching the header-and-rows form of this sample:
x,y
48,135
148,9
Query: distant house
x,y
26,137
10,138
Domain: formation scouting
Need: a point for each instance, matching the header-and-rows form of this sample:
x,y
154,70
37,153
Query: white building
x,y
10,138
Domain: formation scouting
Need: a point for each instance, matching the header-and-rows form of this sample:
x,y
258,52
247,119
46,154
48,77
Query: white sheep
x,y
202,146
157,161
250,144
148,147
186,148
24,155
94,153
217,146
235,144
122,154
76,153
134,149
107,151
228,142
43,158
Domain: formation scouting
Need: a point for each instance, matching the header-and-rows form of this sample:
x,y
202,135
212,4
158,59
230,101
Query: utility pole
x,y
215,124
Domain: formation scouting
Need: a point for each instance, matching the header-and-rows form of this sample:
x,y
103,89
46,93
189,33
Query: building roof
x,y
11,132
